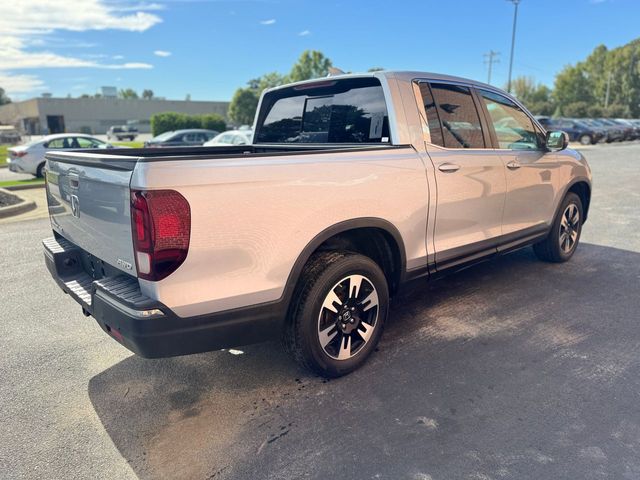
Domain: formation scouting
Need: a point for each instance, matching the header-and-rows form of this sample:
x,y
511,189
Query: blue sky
x,y
209,48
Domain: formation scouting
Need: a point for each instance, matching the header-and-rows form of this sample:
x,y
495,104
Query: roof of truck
x,y
406,75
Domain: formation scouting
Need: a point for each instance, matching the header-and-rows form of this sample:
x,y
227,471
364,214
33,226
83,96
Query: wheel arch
x,y
582,188
369,236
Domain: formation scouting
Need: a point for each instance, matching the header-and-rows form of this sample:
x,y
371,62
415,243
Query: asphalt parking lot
x,y
512,369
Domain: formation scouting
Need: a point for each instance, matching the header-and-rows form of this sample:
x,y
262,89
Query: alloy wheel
x,y
348,317
569,228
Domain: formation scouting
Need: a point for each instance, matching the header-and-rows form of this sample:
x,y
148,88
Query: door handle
x,y
513,165
448,167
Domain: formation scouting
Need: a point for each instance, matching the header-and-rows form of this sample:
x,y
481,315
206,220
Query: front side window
x,y
332,111
514,129
452,116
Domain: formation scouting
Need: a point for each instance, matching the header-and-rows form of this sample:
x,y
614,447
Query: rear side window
x,y
452,116
330,111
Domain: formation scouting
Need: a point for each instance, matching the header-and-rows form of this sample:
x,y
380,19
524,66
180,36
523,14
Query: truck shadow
x,y
500,368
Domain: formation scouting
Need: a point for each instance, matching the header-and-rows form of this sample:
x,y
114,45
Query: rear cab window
x,y
452,116
327,111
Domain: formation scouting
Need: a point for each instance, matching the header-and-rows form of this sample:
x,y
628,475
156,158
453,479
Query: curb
x,y
4,165
12,210
24,187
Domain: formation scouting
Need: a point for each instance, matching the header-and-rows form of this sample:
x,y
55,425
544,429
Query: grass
x,y
129,144
3,154
13,183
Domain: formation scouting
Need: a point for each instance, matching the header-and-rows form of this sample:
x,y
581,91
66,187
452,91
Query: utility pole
x,y
513,41
606,97
489,59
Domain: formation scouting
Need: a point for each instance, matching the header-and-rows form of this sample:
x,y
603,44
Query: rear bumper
x,y
147,327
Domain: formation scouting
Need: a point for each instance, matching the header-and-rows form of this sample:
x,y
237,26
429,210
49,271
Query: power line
x,y
513,41
489,59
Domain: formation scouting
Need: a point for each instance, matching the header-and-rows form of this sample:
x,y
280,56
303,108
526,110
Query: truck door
x,y
470,177
529,168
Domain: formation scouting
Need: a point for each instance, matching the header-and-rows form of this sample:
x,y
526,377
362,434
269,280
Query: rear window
x,y
329,111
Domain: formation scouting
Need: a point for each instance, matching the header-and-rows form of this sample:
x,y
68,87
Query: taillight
x,y
161,229
18,153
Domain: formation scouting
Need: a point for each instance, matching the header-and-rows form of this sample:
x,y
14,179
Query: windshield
x,y
329,111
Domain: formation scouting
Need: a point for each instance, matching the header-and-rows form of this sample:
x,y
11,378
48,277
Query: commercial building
x,y
46,115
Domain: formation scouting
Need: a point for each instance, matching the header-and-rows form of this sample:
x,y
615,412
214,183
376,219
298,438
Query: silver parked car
x,y
29,158
353,187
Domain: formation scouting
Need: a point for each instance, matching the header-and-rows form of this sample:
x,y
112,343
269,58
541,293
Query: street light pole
x,y
513,41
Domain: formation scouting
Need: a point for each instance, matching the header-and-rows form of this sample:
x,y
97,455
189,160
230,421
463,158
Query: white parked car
x,y
231,137
29,158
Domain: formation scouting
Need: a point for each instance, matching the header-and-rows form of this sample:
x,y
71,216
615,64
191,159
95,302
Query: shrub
x,y
168,121
213,121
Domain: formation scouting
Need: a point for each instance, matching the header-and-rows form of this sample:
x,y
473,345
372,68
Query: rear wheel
x,y
562,241
40,171
339,309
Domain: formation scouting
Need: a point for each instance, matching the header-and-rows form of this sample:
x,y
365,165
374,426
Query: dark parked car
x,y
632,131
613,133
619,132
577,130
181,138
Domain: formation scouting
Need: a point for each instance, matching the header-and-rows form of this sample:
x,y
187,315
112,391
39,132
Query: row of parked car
x,y
589,131
29,158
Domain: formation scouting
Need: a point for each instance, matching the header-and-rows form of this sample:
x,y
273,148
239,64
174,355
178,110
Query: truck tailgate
x,y
89,205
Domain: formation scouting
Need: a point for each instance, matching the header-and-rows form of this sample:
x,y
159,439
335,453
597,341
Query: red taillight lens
x,y
161,230
18,153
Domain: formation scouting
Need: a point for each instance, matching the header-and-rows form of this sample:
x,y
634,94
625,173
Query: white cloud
x,y
271,21
43,16
162,53
13,56
16,84
28,26
304,33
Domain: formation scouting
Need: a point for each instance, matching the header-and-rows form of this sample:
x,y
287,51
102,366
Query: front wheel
x,y
586,140
562,241
339,309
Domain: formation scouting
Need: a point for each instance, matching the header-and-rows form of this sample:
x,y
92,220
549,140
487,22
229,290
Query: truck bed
x,y
126,158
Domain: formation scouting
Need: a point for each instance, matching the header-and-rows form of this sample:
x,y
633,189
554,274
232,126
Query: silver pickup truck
x,y
353,186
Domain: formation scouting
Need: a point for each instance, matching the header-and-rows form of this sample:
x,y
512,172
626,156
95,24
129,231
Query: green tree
x,y
147,94
128,93
571,86
311,64
243,106
577,109
269,80
536,97
606,78
3,97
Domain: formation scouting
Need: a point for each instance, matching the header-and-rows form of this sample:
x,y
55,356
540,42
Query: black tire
x,y
40,171
586,140
324,273
557,247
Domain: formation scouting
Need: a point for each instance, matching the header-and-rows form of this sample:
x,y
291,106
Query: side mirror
x,y
557,140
